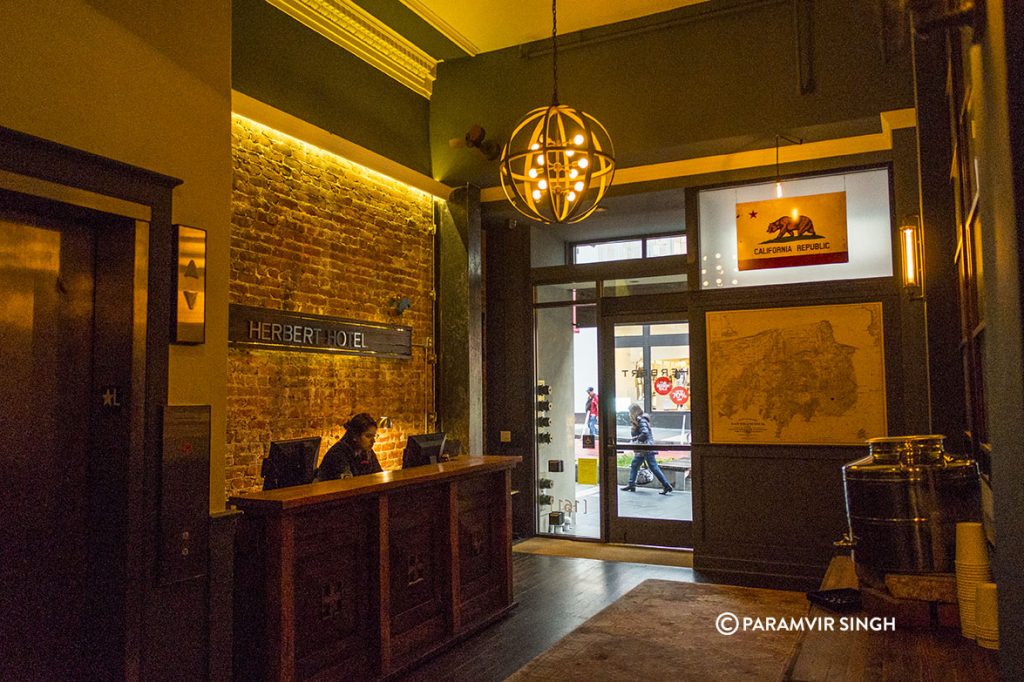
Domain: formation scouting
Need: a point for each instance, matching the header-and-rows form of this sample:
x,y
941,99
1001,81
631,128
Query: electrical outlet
x,y
506,436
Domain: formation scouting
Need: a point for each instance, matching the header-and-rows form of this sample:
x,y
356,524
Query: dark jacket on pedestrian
x,y
641,430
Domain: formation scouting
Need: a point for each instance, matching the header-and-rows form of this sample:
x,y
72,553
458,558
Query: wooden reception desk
x,y
364,577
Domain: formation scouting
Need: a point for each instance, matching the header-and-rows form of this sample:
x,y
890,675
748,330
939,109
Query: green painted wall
x,y
146,84
277,60
714,78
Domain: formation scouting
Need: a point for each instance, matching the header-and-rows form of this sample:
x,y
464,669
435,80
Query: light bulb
x,y
573,172
909,256
540,159
536,195
570,153
578,140
543,184
583,163
778,189
572,196
578,186
532,172
534,146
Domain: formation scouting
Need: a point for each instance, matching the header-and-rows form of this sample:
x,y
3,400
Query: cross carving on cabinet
x,y
330,600
417,568
476,540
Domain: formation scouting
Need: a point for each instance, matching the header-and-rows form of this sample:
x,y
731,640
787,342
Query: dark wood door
x,y
46,325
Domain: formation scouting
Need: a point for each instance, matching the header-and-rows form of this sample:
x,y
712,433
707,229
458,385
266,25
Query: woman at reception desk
x,y
353,455
362,578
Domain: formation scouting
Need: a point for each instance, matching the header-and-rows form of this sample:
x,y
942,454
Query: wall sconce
x,y
910,246
401,305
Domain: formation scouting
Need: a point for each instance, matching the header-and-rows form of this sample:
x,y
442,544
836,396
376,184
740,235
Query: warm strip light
x,y
778,190
368,172
910,264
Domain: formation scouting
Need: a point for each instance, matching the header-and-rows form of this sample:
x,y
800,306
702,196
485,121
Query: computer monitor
x,y
290,462
425,448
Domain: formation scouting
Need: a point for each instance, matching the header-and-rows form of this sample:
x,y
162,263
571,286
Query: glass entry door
x,y
645,434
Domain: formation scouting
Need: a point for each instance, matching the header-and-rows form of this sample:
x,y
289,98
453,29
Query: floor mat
x,y
664,630
606,552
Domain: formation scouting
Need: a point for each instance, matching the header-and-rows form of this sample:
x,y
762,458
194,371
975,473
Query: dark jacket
x,y
344,461
642,430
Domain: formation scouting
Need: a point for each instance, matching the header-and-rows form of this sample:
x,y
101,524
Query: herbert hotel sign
x,y
281,330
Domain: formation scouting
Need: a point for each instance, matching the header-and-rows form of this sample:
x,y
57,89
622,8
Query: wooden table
x,y
362,578
906,655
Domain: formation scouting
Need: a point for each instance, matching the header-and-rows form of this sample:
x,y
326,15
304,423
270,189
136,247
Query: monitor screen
x,y
426,448
290,462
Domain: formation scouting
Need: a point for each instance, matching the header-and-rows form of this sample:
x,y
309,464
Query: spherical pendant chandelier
x,y
558,162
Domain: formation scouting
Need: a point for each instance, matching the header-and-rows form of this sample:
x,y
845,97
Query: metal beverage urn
x,y
903,502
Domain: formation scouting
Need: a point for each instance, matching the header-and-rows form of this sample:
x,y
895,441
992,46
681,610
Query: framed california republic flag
x,y
792,231
806,374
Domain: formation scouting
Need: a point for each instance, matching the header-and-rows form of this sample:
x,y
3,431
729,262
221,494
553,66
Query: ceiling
x,y
486,25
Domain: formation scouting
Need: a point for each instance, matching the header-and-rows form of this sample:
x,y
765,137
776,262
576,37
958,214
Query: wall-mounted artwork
x,y
789,232
190,305
810,375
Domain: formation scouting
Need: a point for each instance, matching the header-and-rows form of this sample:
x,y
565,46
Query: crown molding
x,y
808,151
442,26
351,27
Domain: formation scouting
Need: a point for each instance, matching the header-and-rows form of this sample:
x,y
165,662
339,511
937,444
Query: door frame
x,y
134,258
641,310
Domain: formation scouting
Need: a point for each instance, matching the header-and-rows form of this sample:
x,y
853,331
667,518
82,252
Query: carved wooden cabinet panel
x,y
420,561
335,591
360,579
482,551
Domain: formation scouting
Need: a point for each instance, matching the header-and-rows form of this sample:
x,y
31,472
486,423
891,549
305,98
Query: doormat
x,y
664,630
605,552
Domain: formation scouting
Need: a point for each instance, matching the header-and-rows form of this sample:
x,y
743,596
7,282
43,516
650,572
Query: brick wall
x,y
314,233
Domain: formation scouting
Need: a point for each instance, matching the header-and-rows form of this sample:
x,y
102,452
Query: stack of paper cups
x,y
986,618
972,568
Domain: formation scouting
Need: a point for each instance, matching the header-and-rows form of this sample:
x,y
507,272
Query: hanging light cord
x,y
776,158
798,140
554,50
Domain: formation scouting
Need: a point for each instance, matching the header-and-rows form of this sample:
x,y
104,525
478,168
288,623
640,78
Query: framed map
x,y
811,374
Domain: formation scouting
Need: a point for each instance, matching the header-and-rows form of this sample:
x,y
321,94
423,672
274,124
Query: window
x,y
627,249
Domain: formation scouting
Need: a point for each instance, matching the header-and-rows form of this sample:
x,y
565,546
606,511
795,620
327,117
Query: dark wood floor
x,y
555,595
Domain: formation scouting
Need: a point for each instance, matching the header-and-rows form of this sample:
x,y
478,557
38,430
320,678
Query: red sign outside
x,y
662,385
679,395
